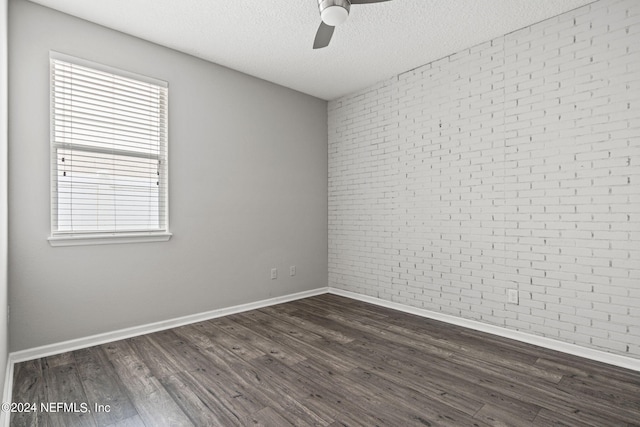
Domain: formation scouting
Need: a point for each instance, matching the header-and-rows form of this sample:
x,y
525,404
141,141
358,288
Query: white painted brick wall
x,y
514,164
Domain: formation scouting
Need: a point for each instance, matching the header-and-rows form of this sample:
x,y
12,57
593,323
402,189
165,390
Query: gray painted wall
x,y
3,189
248,191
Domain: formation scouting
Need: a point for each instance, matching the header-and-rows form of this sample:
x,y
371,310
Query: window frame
x,y
76,238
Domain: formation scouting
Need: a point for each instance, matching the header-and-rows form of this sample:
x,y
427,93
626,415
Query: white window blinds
x,y
108,150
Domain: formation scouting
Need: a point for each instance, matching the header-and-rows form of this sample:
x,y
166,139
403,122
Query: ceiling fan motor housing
x,y
334,12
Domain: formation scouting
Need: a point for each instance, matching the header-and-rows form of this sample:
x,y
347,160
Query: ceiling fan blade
x,y
367,1
323,36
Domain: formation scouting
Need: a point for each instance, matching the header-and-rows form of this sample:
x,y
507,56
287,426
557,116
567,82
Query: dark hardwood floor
x,y
326,361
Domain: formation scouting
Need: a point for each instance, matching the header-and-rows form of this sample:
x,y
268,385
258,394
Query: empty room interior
x,y
320,213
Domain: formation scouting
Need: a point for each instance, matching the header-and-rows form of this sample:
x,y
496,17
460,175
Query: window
x,y
108,155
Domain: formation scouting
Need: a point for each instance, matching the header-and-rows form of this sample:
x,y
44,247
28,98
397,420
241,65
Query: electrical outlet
x,y
274,273
512,296
292,270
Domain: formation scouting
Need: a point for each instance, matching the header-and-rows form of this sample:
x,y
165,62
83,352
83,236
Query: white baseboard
x,y
552,344
90,341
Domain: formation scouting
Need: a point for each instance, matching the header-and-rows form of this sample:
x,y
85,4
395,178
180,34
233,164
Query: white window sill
x,y
108,238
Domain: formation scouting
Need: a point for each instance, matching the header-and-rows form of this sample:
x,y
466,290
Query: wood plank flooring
x,y
324,361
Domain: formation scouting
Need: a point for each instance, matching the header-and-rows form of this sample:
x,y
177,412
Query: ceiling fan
x,y
334,13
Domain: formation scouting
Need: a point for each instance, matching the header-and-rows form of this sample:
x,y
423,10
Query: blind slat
x,y
64,95
87,77
80,108
74,135
65,66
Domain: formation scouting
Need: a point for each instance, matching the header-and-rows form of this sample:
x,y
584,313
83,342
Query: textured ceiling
x,y
272,39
